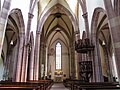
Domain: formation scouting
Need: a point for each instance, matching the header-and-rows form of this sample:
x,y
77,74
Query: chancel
x,y
59,44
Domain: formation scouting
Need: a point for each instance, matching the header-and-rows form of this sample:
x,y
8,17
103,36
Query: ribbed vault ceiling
x,y
69,4
58,25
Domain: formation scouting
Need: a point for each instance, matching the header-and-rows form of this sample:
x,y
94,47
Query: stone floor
x,y
58,86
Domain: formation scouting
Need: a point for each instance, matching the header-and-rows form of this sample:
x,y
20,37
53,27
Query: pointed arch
x,y
68,13
97,70
19,21
100,33
17,17
95,19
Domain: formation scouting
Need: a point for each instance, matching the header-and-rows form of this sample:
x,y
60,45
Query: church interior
x,y
75,43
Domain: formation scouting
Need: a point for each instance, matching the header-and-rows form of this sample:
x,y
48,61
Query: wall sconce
x,y
11,43
103,43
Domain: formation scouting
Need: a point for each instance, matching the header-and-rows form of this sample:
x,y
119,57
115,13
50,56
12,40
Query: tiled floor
x,y
58,86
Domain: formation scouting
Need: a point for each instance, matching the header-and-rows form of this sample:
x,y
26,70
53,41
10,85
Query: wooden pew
x,y
17,86
12,87
80,85
97,86
29,85
45,84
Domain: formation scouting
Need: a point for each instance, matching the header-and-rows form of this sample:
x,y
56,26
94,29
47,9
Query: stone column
x,y
78,54
107,62
93,79
43,51
37,66
73,70
31,58
46,64
24,63
41,72
85,16
7,63
114,22
26,48
20,56
30,17
69,62
0,5
15,58
97,62
3,21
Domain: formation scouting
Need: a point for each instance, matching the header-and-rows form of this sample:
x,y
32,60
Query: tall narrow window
x,y
58,56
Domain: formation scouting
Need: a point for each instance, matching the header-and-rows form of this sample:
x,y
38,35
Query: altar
x,y
58,76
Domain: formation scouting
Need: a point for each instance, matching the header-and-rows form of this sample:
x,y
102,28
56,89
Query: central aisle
x,y
58,86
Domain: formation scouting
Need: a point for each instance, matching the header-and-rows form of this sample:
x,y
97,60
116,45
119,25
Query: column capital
x,y
85,15
30,15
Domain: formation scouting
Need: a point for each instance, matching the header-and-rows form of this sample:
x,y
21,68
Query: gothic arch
x,y
61,34
20,21
100,33
58,39
97,70
14,35
95,19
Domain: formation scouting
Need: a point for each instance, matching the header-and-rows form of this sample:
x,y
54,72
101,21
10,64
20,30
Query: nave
x,y
58,86
71,44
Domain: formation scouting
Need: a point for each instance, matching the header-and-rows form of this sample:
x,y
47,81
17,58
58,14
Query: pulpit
x,y
85,70
86,48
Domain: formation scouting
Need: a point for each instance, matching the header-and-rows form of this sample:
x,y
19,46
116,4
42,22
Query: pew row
x,y
29,85
81,85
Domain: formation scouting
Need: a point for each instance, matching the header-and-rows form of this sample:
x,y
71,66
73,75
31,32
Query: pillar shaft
x,y
3,21
19,60
85,16
97,61
26,48
31,69
78,55
114,21
36,63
